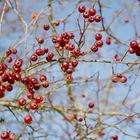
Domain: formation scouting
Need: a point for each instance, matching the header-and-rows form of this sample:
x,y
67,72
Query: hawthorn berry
x,y
92,12
33,57
40,40
28,119
9,59
43,78
46,27
97,18
98,36
5,135
34,106
91,105
38,99
115,78
81,9
123,79
22,101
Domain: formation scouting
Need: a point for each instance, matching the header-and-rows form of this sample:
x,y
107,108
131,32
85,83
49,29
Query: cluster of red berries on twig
x,y
119,78
90,14
134,47
5,135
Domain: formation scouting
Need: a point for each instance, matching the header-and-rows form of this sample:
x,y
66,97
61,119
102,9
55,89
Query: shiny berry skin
x,y
43,78
126,20
14,51
134,44
17,70
65,65
45,85
40,40
94,48
28,119
33,57
80,119
18,63
11,73
90,19
91,105
38,99
123,79
81,9
56,22
74,63
17,76
46,50
99,43
86,15
9,87
4,77
97,18
98,36
108,40
92,12
5,135
39,52
46,27
11,80
115,78
22,101
34,106
30,95
34,81
8,52
9,59
69,71
114,138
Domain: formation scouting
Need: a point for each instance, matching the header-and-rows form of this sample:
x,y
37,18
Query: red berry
x,y
81,9
46,27
5,135
17,76
11,80
99,43
2,94
114,138
34,81
33,57
18,63
4,77
46,50
97,18
108,40
40,40
90,19
92,12
39,52
22,101
134,44
14,51
56,22
34,106
86,15
43,78
28,119
74,63
115,78
98,36
9,87
94,48
46,85
38,99
8,52
30,95
91,105
9,59
126,20
80,119
123,79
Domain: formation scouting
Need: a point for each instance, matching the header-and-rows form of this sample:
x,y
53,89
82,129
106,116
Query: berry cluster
x,y
98,43
119,78
134,47
90,14
5,135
